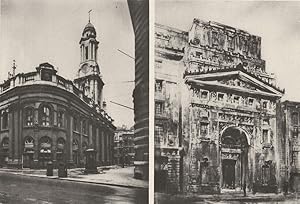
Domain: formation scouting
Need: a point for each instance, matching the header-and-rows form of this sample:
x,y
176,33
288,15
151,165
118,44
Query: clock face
x,y
84,69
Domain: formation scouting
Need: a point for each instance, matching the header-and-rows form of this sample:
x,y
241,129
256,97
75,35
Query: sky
x,y
37,31
277,23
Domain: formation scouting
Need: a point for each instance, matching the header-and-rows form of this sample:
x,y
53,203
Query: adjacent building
x,y
289,141
139,12
124,147
215,111
45,117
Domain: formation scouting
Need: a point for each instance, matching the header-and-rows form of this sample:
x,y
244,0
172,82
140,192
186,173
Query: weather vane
x,y
90,15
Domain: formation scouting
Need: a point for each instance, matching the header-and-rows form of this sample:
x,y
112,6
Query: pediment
x,y
236,80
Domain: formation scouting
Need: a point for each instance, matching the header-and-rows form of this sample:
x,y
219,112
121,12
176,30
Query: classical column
x,y
90,136
102,146
105,147
97,146
10,135
108,148
70,139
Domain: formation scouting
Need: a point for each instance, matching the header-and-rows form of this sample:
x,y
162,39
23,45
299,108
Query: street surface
x,y
25,189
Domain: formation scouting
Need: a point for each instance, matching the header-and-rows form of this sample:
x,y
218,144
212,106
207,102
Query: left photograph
x,y
74,101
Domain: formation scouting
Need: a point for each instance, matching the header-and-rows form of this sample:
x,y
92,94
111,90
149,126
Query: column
x,y
97,145
96,92
90,136
108,147
70,140
17,157
10,136
105,147
102,147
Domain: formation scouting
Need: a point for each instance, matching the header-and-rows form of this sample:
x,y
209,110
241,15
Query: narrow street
x,y
25,189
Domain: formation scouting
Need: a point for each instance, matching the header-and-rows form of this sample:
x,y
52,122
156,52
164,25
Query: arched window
x,y
4,119
5,143
29,116
29,144
45,145
60,119
60,144
295,118
45,112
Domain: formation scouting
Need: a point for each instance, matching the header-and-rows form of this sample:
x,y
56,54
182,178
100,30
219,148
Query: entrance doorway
x,y
228,170
234,157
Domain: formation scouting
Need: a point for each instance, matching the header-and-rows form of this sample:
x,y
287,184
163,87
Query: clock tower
x,y
89,79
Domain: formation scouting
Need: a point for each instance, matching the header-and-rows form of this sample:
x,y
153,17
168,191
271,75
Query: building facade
x,y
124,147
215,111
288,136
45,117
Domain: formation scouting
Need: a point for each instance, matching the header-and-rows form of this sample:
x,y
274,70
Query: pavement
x,y
20,188
109,175
227,197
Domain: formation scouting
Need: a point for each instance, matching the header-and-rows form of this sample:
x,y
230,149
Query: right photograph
x,y
227,102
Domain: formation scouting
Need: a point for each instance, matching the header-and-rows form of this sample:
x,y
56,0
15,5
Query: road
x,y
24,189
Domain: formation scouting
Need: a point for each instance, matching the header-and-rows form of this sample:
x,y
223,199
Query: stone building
x,y
124,147
289,142
47,117
215,111
139,12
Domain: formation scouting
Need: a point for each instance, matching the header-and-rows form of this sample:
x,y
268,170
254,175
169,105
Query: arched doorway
x,y
28,152
45,153
234,157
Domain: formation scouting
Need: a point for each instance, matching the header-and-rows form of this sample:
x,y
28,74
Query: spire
x,y
90,15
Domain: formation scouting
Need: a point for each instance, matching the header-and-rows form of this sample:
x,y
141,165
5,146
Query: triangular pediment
x,y
236,80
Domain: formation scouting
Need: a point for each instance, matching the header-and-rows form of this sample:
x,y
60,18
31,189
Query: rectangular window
x,y
265,104
265,135
250,101
236,99
75,124
60,119
158,108
220,96
295,118
204,94
198,54
158,134
266,121
295,132
203,129
158,85
4,120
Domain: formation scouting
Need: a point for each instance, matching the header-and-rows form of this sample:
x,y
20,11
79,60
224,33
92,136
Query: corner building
x,y
45,117
215,111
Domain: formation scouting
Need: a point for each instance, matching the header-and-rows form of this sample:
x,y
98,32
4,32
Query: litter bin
x,y
62,170
49,169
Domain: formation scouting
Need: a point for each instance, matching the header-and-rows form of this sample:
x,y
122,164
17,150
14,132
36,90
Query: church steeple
x,y
89,80
88,51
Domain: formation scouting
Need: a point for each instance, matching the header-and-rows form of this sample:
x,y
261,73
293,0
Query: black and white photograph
x,y
74,115
227,101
